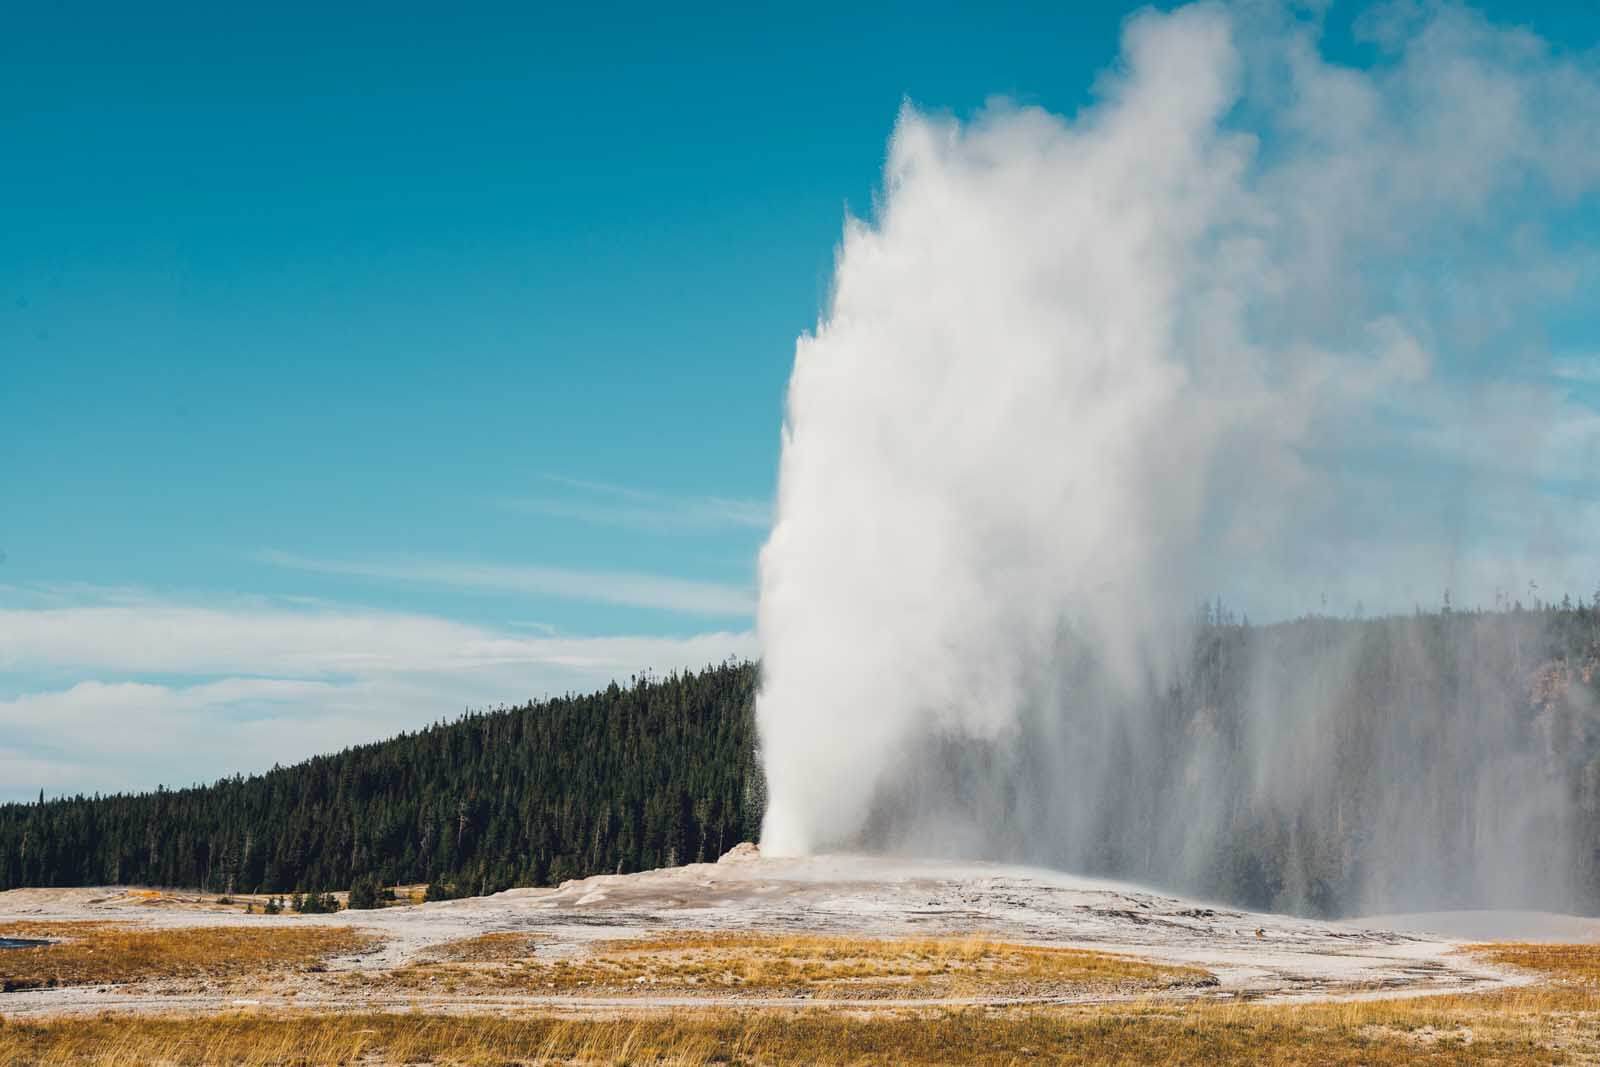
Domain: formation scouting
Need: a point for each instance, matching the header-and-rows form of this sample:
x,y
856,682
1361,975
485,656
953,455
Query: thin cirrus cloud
x,y
681,595
606,504
123,636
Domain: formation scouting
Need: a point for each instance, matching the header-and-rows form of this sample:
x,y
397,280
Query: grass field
x,y
1554,1021
1575,966
721,963
92,953
1464,1030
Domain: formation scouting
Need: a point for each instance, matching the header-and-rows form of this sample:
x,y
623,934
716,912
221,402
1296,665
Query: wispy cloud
x,y
170,690
683,595
1529,432
603,503
1579,370
158,636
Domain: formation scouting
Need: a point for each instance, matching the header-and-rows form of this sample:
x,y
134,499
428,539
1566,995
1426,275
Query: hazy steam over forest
x,y
1321,766
1250,323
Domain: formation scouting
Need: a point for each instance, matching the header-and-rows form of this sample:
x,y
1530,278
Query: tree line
x,y
656,773
1324,766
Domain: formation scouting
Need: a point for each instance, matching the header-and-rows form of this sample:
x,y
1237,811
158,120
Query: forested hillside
x,y
1322,766
658,773
1446,759
1327,766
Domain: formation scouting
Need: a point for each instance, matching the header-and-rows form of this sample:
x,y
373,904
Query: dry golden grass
x,y
721,963
1568,964
1197,1035
98,952
486,948
1558,1022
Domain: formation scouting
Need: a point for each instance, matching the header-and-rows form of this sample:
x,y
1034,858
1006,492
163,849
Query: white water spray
x,y
1078,373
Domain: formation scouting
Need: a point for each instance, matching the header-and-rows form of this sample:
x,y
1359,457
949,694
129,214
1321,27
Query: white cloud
x,y
685,596
244,683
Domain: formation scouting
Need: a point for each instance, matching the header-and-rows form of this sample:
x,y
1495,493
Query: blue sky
x,y
474,326
359,286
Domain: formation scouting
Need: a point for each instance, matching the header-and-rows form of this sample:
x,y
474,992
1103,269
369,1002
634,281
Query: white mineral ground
x,y
1253,956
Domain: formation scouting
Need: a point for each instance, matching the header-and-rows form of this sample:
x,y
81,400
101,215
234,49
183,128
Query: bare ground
x,y
1243,956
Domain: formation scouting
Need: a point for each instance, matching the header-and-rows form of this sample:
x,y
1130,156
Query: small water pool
x,y
21,942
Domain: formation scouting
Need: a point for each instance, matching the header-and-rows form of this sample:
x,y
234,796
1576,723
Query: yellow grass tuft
x,y
87,953
487,948
724,963
1571,964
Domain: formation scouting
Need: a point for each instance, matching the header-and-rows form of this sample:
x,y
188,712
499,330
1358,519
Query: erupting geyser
x,y
1251,323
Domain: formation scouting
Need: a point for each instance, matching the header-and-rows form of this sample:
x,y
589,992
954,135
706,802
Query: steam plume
x,y
1251,323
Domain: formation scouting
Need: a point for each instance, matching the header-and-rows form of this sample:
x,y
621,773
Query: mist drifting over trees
x,y
1250,321
1323,766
